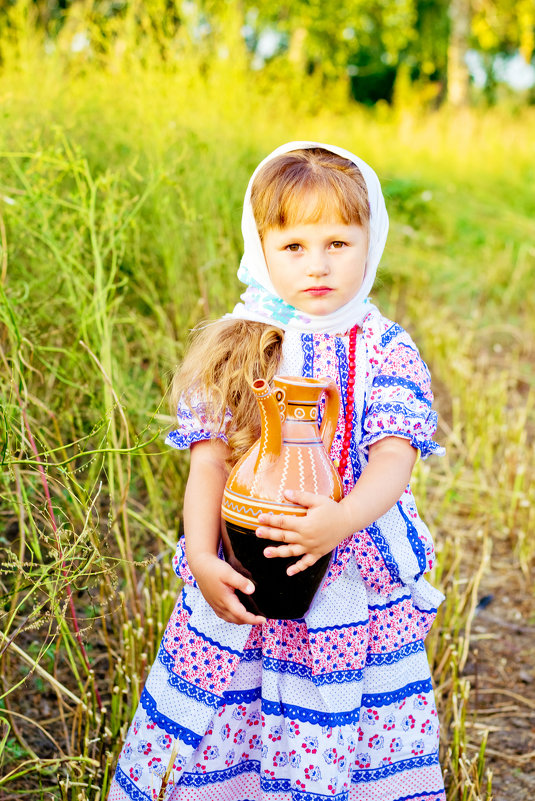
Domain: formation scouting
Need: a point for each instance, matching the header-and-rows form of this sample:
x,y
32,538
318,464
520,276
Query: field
x,y
120,201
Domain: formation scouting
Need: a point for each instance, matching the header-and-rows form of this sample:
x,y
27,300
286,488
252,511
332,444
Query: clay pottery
x,y
292,453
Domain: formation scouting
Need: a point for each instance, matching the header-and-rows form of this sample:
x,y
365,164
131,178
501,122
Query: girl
x,y
338,704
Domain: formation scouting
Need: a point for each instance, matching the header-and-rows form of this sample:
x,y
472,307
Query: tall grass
x,y
121,182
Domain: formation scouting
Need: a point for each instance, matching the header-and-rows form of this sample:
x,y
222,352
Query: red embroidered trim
x,y
350,402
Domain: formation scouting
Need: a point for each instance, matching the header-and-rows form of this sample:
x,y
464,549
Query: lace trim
x,y
397,380
365,775
170,726
389,335
307,341
383,699
415,542
304,672
391,657
425,446
129,787
382,546
183,686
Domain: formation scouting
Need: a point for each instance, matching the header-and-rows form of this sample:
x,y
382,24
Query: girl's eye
x,y
293,247
337,244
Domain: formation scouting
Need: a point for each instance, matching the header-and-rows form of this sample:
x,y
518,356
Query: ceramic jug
x,y
291,454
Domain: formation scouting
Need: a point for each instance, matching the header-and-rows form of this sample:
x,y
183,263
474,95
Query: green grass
x,y
122,187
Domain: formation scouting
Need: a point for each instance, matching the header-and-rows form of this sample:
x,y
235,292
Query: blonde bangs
x,y
306,186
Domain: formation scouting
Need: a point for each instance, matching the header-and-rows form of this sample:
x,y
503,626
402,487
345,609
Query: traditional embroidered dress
x,y
338,704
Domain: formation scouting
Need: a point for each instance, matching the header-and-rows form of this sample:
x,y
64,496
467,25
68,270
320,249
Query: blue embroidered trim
x,y
170,726
252,655
391,657
431,611
425,446
343,371
415,542
397,380
183,441
428,447
365,775
217,776
397,408
311,715
307,342
129,787
383,699
185,687
205,636
267,785
304,672
389,335
397,601
434,795
343,368
242,696
382,546
339,628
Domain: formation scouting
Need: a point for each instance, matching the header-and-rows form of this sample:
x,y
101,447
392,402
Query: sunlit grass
x,y
121,185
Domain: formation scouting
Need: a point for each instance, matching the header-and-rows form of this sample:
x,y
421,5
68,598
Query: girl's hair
x,y
222,362
305,186
225,357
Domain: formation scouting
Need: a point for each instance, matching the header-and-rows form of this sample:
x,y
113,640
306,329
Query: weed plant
x,y
121,181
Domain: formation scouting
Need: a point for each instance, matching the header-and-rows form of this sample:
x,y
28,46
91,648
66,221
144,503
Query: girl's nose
x,y
318,264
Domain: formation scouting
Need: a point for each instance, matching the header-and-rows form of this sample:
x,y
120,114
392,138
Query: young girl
x,y
338,704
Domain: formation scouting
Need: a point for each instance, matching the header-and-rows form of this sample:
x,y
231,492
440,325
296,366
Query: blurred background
x,y
128,131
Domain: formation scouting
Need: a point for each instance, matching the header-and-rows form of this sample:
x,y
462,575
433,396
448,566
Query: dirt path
x,y
501,670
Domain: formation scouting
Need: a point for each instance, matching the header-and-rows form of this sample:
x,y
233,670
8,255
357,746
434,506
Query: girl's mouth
x,y
318,290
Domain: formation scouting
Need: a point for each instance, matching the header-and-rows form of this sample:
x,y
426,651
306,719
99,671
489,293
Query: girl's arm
x,y
217,580
327,523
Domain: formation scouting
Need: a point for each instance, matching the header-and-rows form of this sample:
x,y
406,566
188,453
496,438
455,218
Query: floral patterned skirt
x,y
290,710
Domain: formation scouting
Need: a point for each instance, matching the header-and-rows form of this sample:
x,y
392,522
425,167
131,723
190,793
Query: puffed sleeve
x,y
400,399
195,424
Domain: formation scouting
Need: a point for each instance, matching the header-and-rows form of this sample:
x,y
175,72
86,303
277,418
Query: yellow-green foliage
x,y
121,180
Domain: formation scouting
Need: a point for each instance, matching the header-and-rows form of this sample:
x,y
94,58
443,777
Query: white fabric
x,y
253,268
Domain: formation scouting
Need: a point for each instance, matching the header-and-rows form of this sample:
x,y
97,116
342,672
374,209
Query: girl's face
x,y
316,267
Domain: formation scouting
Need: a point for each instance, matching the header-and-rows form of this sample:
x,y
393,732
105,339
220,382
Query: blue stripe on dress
x,y
365,775
266,784
358,776
167,724
397,380
374,532
415,542
389,335
391,657
343,369
126,784
307,342
183,686
304,672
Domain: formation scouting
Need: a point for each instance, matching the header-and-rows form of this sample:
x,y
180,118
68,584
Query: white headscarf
x,y
261,302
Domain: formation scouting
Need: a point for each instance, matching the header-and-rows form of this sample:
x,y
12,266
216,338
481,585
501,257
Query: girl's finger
x,y
236,581
307,560
277,534
284,522
306,499
237,613
294,549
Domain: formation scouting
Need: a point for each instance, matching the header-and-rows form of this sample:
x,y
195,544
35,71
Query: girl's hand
x,y
217,581
323,527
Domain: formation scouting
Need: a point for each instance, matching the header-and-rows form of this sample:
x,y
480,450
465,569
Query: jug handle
x,y
330,417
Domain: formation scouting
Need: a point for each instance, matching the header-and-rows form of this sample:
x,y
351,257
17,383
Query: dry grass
x,y
119,227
